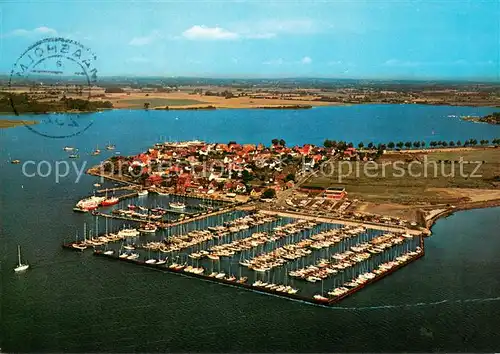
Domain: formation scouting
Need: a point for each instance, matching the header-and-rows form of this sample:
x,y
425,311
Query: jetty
x,y
244,285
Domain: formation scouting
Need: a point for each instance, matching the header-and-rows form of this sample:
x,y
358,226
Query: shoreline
x,y
429,223
300,106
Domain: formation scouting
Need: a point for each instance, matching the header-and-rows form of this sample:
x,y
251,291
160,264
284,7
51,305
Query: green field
x,y
437,170
159,102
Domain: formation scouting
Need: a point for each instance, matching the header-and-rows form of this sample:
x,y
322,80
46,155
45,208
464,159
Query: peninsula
x,y
297,179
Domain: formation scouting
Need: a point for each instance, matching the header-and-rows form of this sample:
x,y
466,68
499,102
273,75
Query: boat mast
x,y
19,254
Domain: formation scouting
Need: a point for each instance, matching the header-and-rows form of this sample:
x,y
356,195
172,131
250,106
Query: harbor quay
x,y
316,260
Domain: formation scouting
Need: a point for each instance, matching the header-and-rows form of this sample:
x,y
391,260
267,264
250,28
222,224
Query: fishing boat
x,y
177,205
97,185
68,148
15,162
109,252
20,266
142,193
162,193
74,156
110,147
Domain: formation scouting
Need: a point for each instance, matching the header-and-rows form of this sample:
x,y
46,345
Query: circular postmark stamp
x,y
54,77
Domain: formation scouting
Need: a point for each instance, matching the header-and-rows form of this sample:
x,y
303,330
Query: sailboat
x,y
20,267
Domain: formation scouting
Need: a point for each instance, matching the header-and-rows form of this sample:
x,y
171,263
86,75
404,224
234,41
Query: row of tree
x,y
342,145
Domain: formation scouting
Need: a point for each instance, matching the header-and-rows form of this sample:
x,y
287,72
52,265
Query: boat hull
x,y
21,268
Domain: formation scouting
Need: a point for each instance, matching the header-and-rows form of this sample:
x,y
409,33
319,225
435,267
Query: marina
x,y
316,261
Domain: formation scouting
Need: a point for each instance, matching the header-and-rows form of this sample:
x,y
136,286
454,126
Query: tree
x,y
361,145
370,145
400,144
408,144
290,177
422,143
246,176
432,144
282,142
269,193
459,143
391,145
452,143
275,141
416,144
444,143
327,143
146,105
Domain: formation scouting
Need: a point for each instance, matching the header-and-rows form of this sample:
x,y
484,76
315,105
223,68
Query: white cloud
x,y
306,60
138,60
145,40
209,33
39,31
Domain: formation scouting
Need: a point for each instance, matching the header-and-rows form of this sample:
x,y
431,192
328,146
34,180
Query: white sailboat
x,y
20,267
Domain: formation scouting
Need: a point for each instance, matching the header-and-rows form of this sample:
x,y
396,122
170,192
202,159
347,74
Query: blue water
x,y
447,301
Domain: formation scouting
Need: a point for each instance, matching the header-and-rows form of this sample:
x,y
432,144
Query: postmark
x,y
54,77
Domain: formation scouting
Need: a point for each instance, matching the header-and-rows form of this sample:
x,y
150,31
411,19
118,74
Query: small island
x,y
493,118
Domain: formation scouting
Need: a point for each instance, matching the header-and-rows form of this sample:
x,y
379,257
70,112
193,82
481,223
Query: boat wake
x,y
419,304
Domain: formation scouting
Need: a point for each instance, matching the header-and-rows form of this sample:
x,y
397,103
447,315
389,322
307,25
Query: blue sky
x,y
390,39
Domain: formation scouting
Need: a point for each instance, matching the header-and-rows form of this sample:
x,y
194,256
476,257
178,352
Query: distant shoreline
x,y
301,106
12,123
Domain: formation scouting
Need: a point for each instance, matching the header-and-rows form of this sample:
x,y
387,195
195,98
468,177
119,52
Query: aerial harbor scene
x,y
250,176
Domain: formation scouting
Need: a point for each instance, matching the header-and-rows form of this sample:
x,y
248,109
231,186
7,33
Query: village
x,y
218,169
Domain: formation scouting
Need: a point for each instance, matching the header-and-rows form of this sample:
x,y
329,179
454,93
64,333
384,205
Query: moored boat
x,y
148,228
110,201
128,233
177,205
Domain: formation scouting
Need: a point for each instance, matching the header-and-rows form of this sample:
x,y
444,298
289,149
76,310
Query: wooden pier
x,y
331,301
